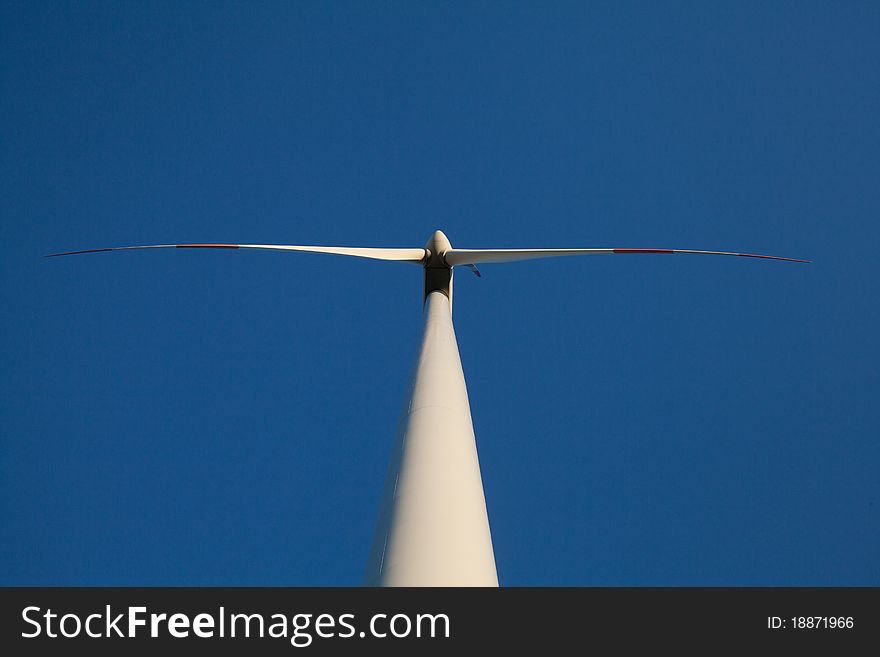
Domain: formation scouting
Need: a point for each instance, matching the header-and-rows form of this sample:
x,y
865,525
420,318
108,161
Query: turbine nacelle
x,y
438,273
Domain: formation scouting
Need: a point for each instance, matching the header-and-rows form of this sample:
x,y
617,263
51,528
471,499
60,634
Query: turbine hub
x,y
438,245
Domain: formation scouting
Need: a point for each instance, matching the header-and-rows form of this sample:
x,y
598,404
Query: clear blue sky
x,y
200,418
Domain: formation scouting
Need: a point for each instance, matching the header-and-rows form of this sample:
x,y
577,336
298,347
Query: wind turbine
x,y
433,529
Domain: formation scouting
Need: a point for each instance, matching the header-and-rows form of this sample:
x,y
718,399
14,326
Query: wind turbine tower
x,y
433,528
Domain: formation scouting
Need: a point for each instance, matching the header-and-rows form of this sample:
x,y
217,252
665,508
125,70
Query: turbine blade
x,y
398,255
477,256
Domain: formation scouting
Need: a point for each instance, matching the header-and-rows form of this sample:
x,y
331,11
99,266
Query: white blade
x,y
478,256
398,255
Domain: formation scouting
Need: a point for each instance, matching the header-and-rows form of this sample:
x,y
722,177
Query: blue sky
x,y
200,418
